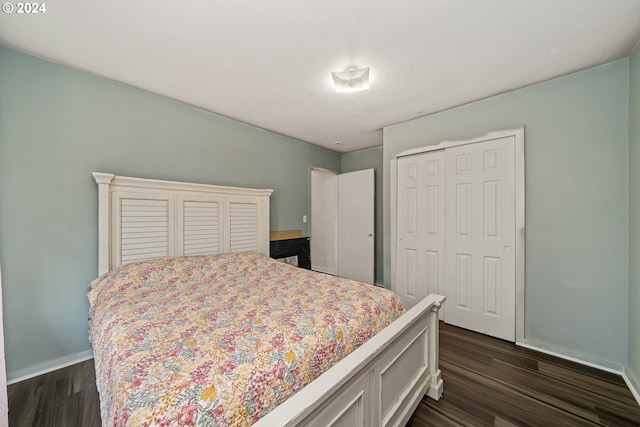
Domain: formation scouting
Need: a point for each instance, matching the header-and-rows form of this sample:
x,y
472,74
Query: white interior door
x,y
342,224
420,226
324,221
480,243
356,225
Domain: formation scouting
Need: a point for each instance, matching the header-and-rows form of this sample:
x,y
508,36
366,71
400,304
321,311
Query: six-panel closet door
x,y
420,227
480,237
455,231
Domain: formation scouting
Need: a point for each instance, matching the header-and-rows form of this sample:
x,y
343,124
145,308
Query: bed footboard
x,y
379,384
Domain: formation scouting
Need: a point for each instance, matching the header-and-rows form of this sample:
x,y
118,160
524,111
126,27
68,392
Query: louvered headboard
x,y
142,219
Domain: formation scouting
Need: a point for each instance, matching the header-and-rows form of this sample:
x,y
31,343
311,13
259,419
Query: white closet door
x,y
480,244
420,226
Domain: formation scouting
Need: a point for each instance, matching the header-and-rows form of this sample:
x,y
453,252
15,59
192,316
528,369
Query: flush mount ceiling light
x,y
351,79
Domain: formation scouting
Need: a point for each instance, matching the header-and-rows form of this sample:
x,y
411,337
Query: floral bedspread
x,y
221,339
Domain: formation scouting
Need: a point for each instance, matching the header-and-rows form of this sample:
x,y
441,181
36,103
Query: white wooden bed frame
x,y
379,384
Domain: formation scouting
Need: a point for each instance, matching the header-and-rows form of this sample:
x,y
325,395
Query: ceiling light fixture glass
x,y
351,80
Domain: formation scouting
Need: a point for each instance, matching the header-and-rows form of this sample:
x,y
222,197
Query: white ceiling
x,y
268,63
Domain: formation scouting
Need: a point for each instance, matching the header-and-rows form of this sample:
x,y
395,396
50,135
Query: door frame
x,y
342,259
518,135
4,401
332,265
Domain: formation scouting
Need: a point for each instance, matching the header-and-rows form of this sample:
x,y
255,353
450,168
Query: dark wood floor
x,y
490,382
63,398
487,382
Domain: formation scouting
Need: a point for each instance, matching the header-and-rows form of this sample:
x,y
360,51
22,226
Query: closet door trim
x,y
518,135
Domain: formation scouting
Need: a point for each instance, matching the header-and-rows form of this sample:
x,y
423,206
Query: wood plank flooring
x,y
64,398
487,382
490,382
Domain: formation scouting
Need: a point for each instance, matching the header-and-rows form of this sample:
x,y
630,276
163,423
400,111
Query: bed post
x,y
435,388
103,180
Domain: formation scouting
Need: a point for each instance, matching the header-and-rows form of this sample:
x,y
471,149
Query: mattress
x,y
221,339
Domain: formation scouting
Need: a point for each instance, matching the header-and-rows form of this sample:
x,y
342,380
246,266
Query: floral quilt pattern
x,y
220,340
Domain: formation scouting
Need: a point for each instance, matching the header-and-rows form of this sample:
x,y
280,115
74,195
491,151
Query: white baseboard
x,y
633,382
322,270
572,355
629,377
49,366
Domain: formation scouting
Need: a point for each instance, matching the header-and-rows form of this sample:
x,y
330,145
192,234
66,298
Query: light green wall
x,y
634,214
370,158
57,125
577,210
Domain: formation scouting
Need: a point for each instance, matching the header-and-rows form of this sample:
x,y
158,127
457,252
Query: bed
x,y
193,324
